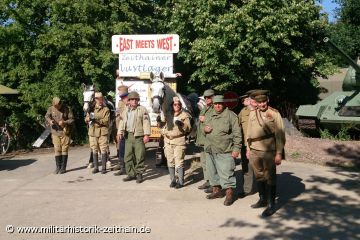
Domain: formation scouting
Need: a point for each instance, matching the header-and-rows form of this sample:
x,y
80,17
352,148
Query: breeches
x,y
264,166
61,144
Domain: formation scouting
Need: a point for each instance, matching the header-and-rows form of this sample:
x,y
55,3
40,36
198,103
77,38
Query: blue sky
x,y
328,7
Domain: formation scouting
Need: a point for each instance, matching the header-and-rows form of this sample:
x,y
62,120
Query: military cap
x,y
244,96
98,95
209,93
56,101
123,90
260,95
218,99
176,99
250,92
133,95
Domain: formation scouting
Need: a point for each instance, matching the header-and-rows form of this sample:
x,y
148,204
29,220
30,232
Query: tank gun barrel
x,y
347,57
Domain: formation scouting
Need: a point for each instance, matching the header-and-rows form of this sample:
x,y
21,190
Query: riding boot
x,y
229,199
91,164
63,164
270,209
172,177
262,194
216,193
180,182
95,162
104,158
58,164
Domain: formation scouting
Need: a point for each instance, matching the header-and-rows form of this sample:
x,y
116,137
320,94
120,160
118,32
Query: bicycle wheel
x,y
4,143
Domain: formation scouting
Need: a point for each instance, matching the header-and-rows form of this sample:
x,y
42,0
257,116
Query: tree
x,y
50,47
252,44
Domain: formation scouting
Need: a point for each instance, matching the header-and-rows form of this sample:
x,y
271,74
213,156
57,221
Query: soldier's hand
x,y
146,139
207,129
235,154
61,123
248,153
278,159
52,122
202,118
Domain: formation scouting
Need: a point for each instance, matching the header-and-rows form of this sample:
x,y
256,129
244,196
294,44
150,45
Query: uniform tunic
x,y
265,138
224,139
174,140
60,135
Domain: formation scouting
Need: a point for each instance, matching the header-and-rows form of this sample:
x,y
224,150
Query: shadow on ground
x,y
322,215
345,158
12,164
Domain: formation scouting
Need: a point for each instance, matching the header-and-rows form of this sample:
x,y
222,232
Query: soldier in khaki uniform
x,y
266,140
134,126
200,135
248,172
98,132
60,118
123,94
174,133
222,147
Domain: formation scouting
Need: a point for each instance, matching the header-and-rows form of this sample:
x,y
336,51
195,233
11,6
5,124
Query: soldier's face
x,y
219,107
263,106
98,100
208,100
253,102
246,102
133,102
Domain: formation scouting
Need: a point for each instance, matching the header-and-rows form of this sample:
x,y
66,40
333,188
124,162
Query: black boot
x,y
262,194
95,162
172,177
63,164
180,182
104,158
58,164
271,193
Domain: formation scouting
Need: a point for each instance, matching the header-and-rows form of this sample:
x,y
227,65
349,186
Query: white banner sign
x,y
131,65
159,43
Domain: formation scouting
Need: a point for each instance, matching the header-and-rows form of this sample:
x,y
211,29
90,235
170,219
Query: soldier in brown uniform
x,y
123,94
134,126
248,172
174,139
266,140
60,117
98,131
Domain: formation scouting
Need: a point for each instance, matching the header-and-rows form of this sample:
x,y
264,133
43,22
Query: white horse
x,y
162,96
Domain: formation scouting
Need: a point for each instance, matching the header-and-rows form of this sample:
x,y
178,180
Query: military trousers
x,y
221,169
175,155
99,144
264,166
203,163
134,154
61,144
248,173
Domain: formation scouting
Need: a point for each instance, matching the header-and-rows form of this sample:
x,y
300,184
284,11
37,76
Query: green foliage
x,y
50,47
342,135
250,44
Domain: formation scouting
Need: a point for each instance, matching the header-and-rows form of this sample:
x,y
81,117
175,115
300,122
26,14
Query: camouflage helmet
x,y
133,95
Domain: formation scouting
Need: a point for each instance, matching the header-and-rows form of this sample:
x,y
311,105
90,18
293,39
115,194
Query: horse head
x,y
88,93
157,91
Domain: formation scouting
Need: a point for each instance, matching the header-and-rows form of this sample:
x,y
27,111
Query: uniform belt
x,y
251,140
173,137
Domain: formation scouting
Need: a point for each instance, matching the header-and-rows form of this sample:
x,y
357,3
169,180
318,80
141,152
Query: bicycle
x,y
5,139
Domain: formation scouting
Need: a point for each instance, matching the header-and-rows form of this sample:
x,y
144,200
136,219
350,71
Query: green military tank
x,y
341,108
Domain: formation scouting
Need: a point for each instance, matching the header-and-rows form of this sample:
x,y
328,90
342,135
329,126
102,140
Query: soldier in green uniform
x,y
60,118
134,126
266,140
174,133
248,172
123,94
222,147
200,135
98,132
